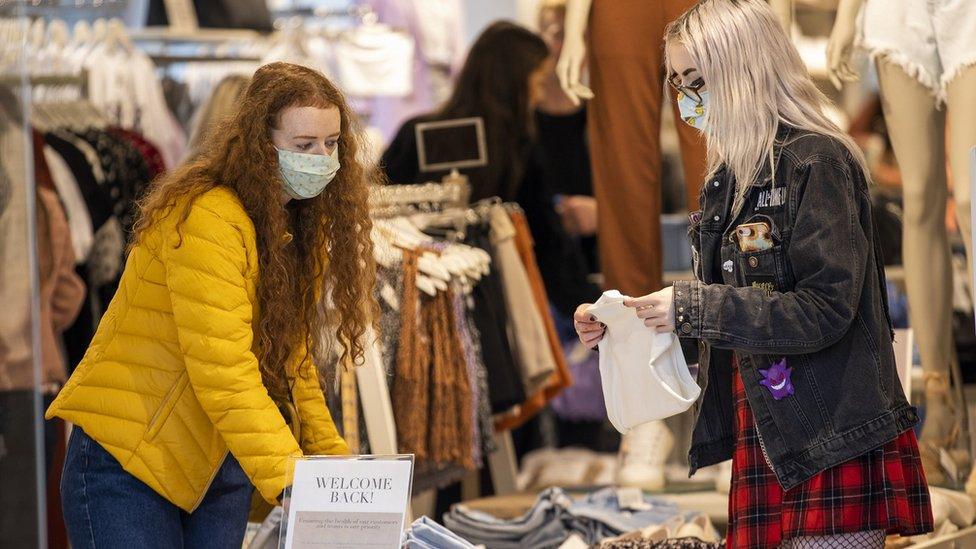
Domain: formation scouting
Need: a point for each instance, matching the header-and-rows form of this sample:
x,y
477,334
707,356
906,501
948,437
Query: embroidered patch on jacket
x,y
777,379
767,287
770,198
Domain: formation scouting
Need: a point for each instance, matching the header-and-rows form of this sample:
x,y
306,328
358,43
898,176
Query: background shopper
x,y
502,82
200,381
563,145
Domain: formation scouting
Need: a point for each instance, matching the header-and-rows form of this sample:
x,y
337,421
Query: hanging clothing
x,y
375,61
450,402
152,156
97,199
491,320
62,291
437,56
127,174
477,379
411,389
561,378
79,220
100,175
532,350
123,85
16,350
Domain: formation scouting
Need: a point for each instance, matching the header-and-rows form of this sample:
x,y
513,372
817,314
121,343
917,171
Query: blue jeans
x,y
106,507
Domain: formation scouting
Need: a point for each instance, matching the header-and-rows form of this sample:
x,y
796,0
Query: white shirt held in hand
x,y
645,377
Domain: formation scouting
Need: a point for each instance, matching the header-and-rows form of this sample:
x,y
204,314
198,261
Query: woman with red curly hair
x,y
200,384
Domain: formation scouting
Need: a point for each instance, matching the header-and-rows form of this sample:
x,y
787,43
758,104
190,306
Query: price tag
x,y
348,502
631,499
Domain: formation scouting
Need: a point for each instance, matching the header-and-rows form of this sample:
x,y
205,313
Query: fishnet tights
x,y
871,539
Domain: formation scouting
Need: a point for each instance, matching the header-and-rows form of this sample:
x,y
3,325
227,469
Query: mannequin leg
x,y
624,128
917,133
962,138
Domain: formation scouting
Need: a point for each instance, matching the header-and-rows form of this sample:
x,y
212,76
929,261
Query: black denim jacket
x,y
817,299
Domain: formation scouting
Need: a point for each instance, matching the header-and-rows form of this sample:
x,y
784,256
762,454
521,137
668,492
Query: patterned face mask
x,y
306,175
693,112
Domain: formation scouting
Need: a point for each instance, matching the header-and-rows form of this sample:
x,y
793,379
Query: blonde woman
x,y
801,389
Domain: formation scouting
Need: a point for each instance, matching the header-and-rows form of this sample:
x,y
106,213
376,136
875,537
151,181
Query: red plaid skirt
x,y
884,489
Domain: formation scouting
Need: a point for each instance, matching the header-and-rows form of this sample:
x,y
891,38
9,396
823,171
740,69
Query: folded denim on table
x,y
425,533
555,516
542,526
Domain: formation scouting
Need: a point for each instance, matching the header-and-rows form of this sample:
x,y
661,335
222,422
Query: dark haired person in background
x,y
564,150
502,82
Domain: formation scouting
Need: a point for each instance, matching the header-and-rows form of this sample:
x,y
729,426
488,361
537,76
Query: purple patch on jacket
x,y
777,379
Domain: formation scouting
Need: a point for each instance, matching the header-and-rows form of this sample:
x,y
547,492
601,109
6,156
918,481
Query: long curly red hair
x,y
329,258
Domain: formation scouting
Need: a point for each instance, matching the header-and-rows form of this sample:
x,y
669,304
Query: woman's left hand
x,y
656,310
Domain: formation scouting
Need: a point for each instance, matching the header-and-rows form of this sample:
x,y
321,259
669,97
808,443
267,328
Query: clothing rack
x,y
363,13
453,191
371,377
168,35
79,79
163,59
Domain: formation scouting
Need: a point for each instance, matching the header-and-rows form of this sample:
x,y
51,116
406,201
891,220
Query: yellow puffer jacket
x,y
171,380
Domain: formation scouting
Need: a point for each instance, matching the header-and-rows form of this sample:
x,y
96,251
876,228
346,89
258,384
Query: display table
x,y
712,503
963,539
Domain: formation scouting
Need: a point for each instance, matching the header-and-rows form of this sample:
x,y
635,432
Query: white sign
x,y
357,502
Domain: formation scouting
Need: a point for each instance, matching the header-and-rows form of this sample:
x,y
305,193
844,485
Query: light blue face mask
x,y
306,175
693,112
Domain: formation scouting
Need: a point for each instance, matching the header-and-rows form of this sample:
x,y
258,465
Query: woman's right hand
x,y
590,331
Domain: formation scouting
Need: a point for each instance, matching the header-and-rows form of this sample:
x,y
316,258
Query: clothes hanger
x,y
81,34
414,238
40,119
99,30
37,34
117,38
387,240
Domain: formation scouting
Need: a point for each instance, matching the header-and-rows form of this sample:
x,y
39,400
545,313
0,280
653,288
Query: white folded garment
x,y
645,377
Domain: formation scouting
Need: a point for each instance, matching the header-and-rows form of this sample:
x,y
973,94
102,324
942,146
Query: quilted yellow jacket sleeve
x,y
319,434
207,279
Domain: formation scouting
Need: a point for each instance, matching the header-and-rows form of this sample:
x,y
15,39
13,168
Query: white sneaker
x,y
699,527
643,453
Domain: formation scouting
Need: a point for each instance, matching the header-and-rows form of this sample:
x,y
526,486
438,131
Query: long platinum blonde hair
x,y
755,81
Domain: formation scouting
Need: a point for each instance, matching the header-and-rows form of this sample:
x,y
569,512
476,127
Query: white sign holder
x,y
347,502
